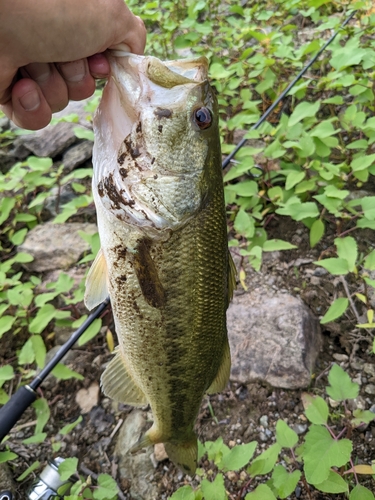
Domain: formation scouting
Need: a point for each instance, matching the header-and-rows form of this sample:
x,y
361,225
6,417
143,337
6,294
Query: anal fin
x,y
96,282
222,376
119,385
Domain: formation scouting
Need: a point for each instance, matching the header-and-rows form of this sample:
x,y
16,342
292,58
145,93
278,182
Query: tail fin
x,y
184,455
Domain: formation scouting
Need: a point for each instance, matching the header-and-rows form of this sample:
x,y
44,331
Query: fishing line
x,y
25,395
285,92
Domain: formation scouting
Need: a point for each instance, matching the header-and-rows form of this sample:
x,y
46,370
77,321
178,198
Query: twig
x,y
22,426
118,425
89,472
352,305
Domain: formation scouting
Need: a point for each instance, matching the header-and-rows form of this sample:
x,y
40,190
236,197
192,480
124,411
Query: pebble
x,y
263,437
264,420
372,409
320,271
333,403
300,428
370,389
340,357
314,280
369,368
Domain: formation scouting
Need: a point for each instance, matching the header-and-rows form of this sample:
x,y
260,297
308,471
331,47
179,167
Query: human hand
x,y
52,50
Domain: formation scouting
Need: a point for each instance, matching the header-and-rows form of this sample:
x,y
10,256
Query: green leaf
x,y
321,452
347,249
90,332
334,266
341,387
293,178
28,471
214,490
6,206
283,482
23,257
369,262
26,355
62,372
69,427
262,492
6,323
36,438
42,414
246,188
285,436
362,162
184,493
67,468
238,457
83,133
244,224
19,236
6,373
316,409
299,211
108,487
273,245
333,484
336,309
5,456
265,462
361,493
39,350
362,416
42,318
316,232
303,110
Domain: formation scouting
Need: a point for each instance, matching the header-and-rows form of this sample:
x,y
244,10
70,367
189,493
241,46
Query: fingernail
x,y
40,72
73,71
30,101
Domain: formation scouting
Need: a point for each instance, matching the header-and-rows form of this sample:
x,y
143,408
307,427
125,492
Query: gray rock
x,y
50,141
264,420
300,428
272,338
76,155
6,479
370,389
137,468
56,200
56,246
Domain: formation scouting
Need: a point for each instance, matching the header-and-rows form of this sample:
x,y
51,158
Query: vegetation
x,y
312,161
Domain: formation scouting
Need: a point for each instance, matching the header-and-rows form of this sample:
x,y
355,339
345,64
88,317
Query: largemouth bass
x,y
164,257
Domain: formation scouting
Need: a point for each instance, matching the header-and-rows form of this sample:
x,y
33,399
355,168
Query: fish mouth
x,y
167,74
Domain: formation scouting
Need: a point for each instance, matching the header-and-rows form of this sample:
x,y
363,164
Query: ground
x,y
239,414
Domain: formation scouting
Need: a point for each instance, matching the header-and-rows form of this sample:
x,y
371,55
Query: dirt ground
x,y
241,413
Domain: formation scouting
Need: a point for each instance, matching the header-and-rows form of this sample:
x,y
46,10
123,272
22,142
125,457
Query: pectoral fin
x,y
119,385
96,282
223,373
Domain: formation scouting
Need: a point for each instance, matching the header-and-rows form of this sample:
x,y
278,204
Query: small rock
x,y
56,246
232,476
372,409
299,429
333,403
340,357
320,271
159,452
76,155
88,398
263,437
369,368
137,468
357,364
49,141
264,420
272,338
6,478
314,280
370,389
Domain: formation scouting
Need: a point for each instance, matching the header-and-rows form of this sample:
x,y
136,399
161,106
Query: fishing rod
x,y
22,399
267,113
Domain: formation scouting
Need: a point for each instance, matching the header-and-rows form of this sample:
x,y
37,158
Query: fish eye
x,y
202,117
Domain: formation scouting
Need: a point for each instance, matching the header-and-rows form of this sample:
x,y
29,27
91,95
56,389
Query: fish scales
x,y
164,258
